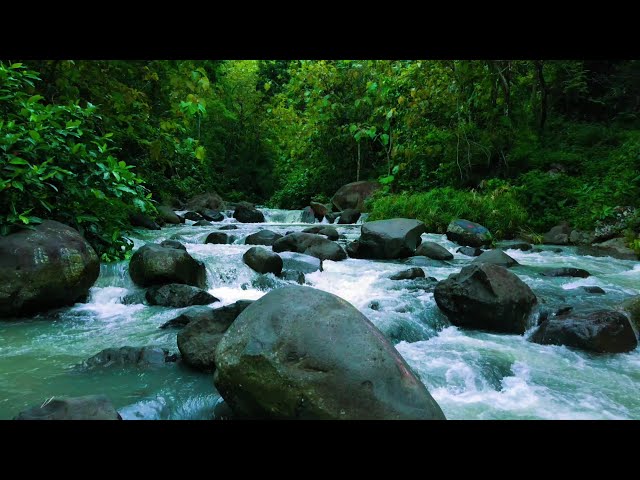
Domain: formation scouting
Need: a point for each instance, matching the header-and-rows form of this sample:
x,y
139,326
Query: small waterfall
x,y
275,215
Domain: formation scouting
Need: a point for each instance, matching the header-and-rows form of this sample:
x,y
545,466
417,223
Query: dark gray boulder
x,y
263,237
178,295
349,216
329,232
315,245
211,215
143,221
262,260
496,257
156,265
470,251
300,262
469,234
566,272
408,274
220,238
307,215
247,213
167,215
129,357
91,407
433,250
173,244
388,239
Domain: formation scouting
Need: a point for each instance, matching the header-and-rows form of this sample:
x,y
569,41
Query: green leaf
x,y
395,169
24,219
18,185
35,98
18,161
16,65
35,135
384,138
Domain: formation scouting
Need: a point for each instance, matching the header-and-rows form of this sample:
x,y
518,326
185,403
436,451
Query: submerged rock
x,y
408,274
566,272
262,260
433,250
303,353
129,357
309,244
486,297
173,244
349,216
156,265
178,295
231,226
263,237
202,223
496,257
604,331
48,267
293,276
470,251
300,262
469,234
219,238
329,232
91,407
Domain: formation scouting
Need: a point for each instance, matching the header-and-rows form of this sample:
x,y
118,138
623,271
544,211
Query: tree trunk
x,y
544,92
358,172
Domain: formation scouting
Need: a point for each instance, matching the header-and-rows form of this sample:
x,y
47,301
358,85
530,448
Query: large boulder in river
x,y
143,221
604,331
558,235
206,200
198,340
194,216
566,272
302,353
219,238
211,215
263,237
47,267
300,262
307,215
178,295
319,210
469,234
433,250
349,216
616,248
388,239
353,195
486,297
201,312
172,244
167,215
262,260
329,232
631,306
247,213
470,251
156,265
409,274
129,357
496,257
91,407
315,245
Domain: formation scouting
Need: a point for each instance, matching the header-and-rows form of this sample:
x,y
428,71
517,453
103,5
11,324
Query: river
x,y
471,374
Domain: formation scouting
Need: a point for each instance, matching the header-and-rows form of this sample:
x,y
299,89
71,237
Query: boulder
x,y
300,262
198,340
578,237
293,276
143,221
173,244
319,210
331,217
211,215
496,257
315,245
247,213
329,232
91,407
470,251
522,246
302,353
194,216
486,297
593,289
156,265
48,267
178,295
231,226
219,238
434,251
129,357
616,248
631,307
200,312
565,272
209,200
353,195
603,331
262,260
469,234
349,216
408,274
558,235
307,215
388,239
263,237
167,215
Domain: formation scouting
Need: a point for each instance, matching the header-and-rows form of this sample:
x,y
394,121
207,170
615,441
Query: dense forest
x,y
518,146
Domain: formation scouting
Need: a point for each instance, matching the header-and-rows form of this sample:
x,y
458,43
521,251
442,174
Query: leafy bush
x,y
56,165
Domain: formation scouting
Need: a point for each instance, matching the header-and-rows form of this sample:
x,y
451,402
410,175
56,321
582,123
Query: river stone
x,y
228,227
247,213
496,257
510,245
558,235
487,297
631,307
202,223
219,238
143,221
211,215
300,262
329,232
222,411
168,215
592,289
349,216
194,216
469,234
315,245
388,239
434,251
408,274
353,195
262,260
470,251
604,331
206,200
129,356
422,261
156,265
616,248
303,353
319,210
263,237
178,295
173,244
293,276
331,216
307,215
199,338
566,272
48,267
91,407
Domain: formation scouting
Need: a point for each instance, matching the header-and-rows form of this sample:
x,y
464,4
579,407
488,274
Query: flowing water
x,y
471,374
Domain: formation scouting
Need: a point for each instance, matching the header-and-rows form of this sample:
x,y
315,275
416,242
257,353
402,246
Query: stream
x,y
471,374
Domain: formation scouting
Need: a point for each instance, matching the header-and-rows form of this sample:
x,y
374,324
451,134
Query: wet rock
x,y
309,244
388,239
293,276
167,215
353,195
275,361
222,411
307,215
487,297
470,251
592,289
331,217
604,331
263,237
300,262
566,272
434,251
247,213
91,407
522,246
178,295
209,200
48,267
228,227
631,307
129,357
496,257
319,210
219,238
194,216
228,313
173,244
349,216
202,223
156,265
262,260
143,221
558,235
408,274
469,234
211,215
329,232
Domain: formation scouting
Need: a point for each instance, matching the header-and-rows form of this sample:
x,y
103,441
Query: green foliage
x,y
56,165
